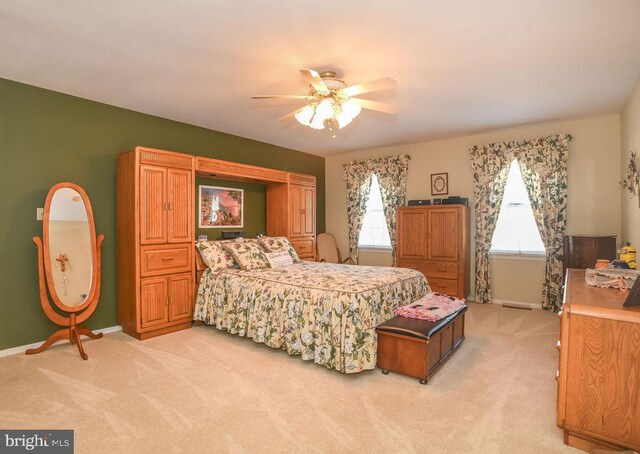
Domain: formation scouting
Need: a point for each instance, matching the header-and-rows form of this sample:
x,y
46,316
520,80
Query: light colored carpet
x,y
202,390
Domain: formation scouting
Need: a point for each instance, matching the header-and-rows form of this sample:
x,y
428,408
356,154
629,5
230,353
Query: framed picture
x,y
440,183
220,207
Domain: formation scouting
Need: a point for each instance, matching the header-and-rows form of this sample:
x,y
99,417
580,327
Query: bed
x,y
327,313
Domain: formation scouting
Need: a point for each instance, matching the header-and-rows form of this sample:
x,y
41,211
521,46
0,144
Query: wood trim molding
x,y
298,178
501,302
164,158
234,171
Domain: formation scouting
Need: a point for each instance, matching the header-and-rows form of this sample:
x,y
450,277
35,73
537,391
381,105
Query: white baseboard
x,y
24,348
519,303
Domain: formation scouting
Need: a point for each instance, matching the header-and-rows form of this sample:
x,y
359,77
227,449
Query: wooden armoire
x,y
435,241
155,234
297,220
302,215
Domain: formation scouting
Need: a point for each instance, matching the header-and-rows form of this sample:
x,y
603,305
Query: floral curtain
x,y
544,171
391,172
490,165
392,176
358,187
543,163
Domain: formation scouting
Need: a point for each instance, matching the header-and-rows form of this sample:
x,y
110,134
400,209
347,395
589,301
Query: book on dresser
x,y
435,241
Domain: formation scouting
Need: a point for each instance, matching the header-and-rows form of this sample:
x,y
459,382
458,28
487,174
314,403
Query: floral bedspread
x,y
324,312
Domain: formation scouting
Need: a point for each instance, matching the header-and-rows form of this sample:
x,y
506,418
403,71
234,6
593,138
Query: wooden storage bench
x,y
417,348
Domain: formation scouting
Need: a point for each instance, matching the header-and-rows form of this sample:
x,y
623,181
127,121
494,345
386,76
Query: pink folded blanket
x,y
431,307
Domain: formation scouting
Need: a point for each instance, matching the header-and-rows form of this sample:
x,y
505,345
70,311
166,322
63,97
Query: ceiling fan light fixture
x,y
343,119
332,125
305,115
332,105
325,109
350,109
317,122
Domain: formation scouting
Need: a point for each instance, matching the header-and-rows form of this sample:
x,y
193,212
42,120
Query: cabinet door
x,y
295,210
443,228
309,211
180,297
153,301
412,234
153,203
180,205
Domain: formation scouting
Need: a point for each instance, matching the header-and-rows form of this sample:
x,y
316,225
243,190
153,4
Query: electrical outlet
x,y
39,214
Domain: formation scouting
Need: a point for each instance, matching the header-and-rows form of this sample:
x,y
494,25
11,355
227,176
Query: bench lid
x,y
413,327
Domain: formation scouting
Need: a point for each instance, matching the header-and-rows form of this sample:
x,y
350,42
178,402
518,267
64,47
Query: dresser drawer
x,y
165,259
448,270
432,269
446,286
304,248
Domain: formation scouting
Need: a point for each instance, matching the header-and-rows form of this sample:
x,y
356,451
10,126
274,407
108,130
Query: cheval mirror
x,y
68,264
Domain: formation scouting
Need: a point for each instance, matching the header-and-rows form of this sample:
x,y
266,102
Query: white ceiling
x,y
462,66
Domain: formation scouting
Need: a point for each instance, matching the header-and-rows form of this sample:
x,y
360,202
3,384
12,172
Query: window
x,y
374,232
516,229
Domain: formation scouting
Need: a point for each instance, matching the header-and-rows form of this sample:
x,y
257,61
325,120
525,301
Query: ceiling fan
x,y
332,104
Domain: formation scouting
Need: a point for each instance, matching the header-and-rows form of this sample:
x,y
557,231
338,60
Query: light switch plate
x,y
39,214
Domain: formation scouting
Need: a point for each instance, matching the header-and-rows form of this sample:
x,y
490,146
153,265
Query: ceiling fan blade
x,y
315,80
374,85
375,105
292,114
281,96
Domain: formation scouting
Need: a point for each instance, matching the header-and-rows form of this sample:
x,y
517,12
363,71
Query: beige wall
x,y
630,141
594,204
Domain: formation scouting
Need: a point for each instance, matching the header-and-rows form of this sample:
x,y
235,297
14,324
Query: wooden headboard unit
x,y
291,209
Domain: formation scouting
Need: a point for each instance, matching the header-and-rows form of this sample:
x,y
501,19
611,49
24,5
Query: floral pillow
x,y
248,254
279,244
279,259
215,255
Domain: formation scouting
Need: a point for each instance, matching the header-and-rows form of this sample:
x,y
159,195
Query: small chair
x,y
328,250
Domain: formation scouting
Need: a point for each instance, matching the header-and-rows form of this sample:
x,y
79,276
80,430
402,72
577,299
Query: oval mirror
x,y
69,240
68,265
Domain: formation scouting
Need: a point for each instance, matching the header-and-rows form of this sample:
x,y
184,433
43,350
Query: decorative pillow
x,y
215,255
279,259
248,254
279,244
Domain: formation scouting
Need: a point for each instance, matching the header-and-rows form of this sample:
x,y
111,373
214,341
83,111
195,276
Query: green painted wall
x,y
48,137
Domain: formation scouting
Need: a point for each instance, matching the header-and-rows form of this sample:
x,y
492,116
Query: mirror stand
x,y
74,330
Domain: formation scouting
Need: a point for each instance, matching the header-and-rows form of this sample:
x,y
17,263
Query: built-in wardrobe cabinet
x,y
155,236
291,212
435,241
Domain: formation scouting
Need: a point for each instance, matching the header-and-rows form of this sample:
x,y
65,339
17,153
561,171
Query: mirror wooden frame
x,y
76,314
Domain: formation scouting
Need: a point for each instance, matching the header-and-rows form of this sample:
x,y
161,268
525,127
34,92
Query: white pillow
x,y
279,259
278,244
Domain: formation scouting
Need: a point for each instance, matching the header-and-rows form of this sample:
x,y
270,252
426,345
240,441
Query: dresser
x,y
582,251
435,241
155,237
599,367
